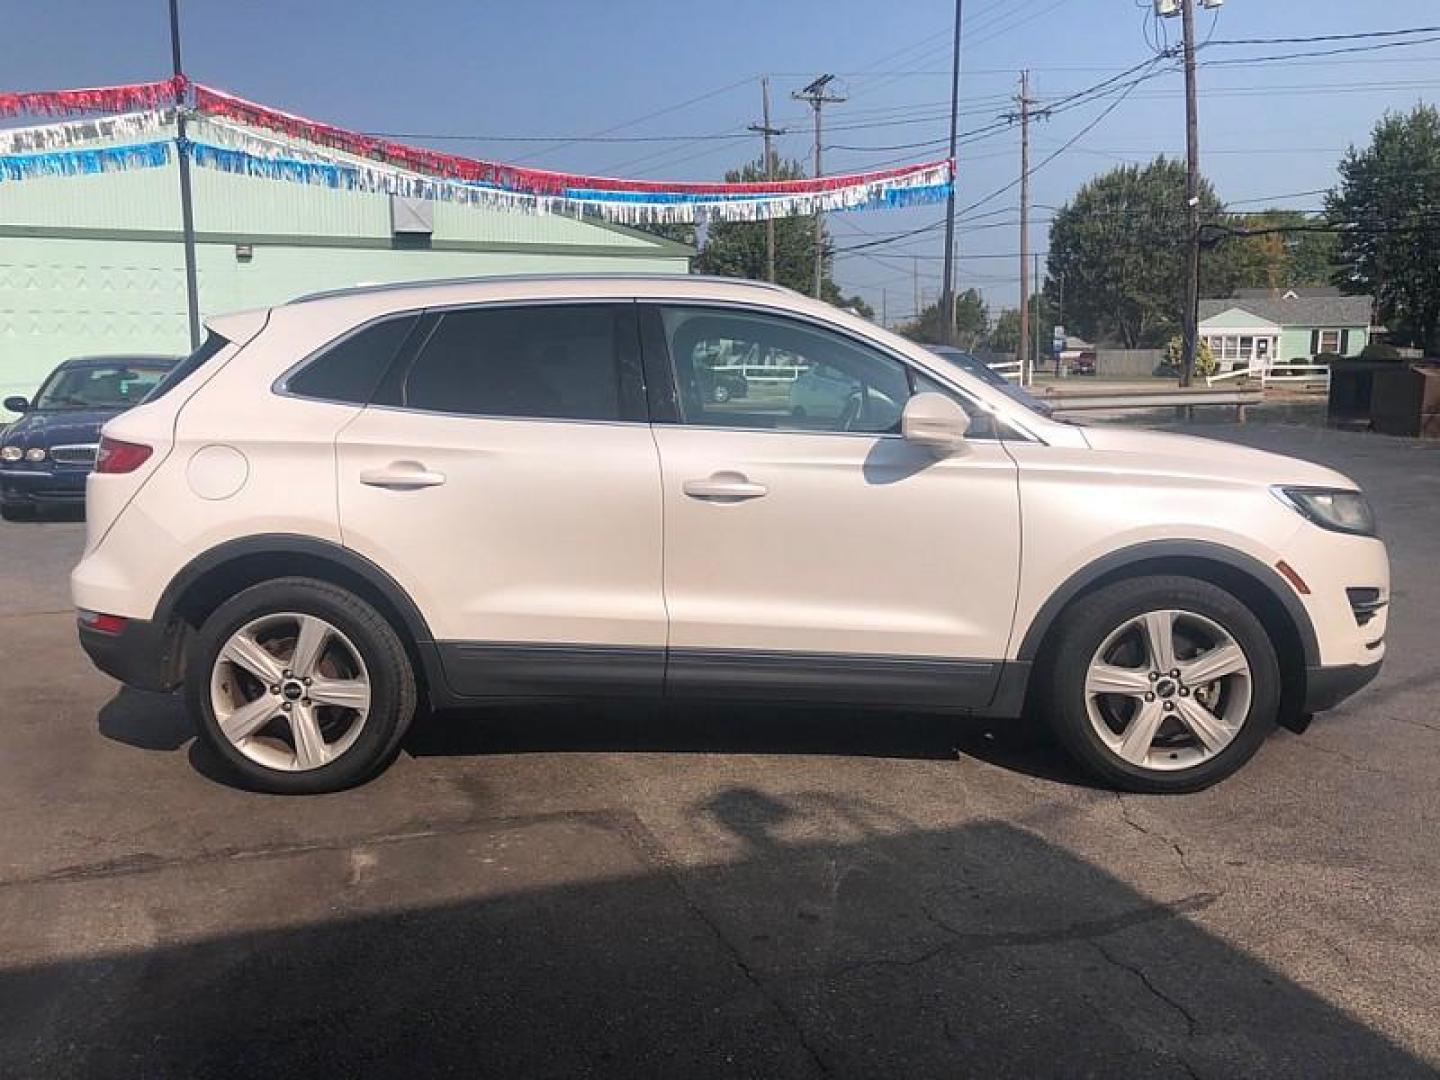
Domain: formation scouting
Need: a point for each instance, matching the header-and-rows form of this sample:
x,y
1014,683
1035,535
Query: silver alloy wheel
x,y
1168,690
290,691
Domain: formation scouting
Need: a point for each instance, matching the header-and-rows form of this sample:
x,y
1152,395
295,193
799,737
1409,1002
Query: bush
x,y
1379,350
1205,362
1323,358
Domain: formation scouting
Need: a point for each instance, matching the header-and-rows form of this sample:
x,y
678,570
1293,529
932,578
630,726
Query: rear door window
x,y
543,361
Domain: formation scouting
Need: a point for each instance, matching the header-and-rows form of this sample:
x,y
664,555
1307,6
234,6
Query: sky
x,y
486,78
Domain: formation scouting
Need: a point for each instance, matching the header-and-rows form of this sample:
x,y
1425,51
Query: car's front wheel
x,y
300,686
1160,684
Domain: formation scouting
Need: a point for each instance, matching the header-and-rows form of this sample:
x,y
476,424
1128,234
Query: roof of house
x,y
1288,292
1325,310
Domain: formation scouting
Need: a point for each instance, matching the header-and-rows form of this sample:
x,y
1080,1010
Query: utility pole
x,y
764,129
885,308
1039,311
187,208
1026,375
947,328
818,97
915,273
1190,319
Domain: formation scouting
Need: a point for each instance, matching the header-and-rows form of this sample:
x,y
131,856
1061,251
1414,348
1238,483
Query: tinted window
x,y
351,368
98,386
562,362
740,369
212,344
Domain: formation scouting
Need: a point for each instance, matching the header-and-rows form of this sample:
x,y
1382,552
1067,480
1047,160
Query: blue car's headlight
x,y
1336,509
11,453
35,453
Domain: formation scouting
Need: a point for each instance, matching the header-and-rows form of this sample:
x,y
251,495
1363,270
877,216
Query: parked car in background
x,y
360,504
973,365
46,454
721,386
1084,364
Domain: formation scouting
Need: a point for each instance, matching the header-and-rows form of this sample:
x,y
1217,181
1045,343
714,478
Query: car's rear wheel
x,y
300,686
1160,684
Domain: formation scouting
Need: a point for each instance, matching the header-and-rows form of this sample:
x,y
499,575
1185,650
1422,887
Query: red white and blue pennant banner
x,y
242,137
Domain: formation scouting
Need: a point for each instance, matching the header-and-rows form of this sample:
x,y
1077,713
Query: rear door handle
x,y
402,476
725,487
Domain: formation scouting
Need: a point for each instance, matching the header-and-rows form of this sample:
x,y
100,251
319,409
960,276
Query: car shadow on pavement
x,y
823,941
158,722
714,728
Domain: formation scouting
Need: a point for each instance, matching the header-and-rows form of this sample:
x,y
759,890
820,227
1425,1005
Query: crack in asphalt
x,y
1349,759
657,857
966,943
1191,1024
1195,876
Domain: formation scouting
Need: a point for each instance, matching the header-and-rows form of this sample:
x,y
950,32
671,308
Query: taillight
x,y
105,624
116,456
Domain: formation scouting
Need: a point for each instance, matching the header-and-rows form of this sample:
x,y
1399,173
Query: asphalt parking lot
x,y
631,891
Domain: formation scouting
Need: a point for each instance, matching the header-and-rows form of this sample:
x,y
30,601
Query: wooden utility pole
x,y
187,206
1024,349
915,274
767,131
818,97
884,308
947,290
1190,326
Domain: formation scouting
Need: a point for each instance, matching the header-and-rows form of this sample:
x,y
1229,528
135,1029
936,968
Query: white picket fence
x,y
1314,376
787,373
1010,369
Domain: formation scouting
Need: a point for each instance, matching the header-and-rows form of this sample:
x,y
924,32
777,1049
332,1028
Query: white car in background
x,y
452,494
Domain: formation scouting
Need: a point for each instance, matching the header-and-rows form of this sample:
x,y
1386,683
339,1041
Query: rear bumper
x,y
141,654
1326,687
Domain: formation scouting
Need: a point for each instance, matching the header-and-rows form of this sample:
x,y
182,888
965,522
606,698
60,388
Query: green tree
x,y
972,322
1388,207
737,248
1119,246
1005,334
1288,251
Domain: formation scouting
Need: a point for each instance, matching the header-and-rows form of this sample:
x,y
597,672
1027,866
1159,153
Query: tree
x,y
737,248
972,321
1287,255
1005,334
1388,208
1119,246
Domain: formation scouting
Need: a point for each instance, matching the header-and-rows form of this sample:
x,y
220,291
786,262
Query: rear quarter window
x,y
350,369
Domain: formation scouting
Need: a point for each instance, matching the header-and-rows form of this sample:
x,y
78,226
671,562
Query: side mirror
x,y
935,422
16,404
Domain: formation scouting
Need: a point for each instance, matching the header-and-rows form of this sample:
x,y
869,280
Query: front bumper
x,y
42,485
141,654
1326,687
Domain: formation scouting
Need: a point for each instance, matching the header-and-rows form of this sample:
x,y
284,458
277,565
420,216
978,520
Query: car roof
x,y
138,359
547,285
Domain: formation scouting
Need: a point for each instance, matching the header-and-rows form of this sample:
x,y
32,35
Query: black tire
x,y
392,683
1084,626
17,512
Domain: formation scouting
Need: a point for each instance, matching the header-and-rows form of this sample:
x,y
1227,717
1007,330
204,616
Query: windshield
x,y
98,386
973,365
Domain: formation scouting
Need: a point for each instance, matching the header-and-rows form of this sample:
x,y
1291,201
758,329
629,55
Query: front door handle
x,y
725,487
402,476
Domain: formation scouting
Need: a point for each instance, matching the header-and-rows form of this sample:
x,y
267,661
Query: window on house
x,y
1330,341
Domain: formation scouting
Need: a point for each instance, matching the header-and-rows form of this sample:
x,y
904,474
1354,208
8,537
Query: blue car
x,y
46,454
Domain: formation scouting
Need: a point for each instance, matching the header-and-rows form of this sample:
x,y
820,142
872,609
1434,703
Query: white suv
x,y
363,503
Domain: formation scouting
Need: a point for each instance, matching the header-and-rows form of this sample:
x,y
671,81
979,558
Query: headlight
x,y
35,453
1331,508
11,453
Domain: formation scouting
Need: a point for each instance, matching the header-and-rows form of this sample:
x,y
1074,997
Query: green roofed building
x,y
95,264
